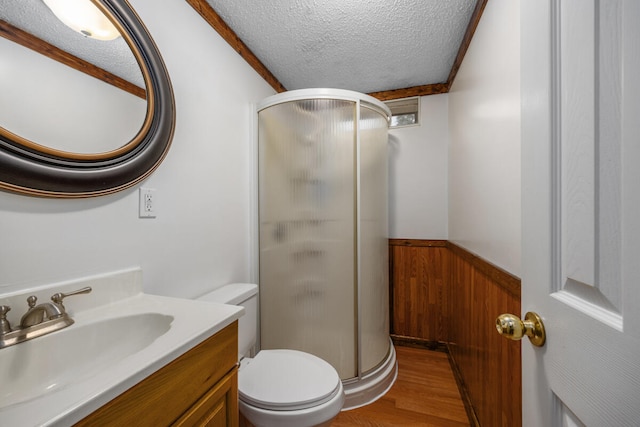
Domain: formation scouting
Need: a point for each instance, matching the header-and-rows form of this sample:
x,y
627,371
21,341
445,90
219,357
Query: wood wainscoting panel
x,y
489,364
419,291
441,293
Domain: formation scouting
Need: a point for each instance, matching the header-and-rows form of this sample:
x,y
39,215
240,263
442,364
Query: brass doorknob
x,y
510,326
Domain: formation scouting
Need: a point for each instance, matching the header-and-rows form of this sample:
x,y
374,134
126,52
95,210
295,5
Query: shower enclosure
x,y
322,172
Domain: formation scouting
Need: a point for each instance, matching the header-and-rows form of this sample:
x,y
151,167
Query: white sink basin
x,y
49,363
120,336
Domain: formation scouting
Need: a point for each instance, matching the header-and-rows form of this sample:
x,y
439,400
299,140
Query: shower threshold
x,y
373,385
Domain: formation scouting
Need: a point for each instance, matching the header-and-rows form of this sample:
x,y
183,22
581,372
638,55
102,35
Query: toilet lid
x,y
287,380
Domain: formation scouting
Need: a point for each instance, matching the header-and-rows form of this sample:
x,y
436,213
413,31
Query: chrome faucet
x,y
39,319
35,314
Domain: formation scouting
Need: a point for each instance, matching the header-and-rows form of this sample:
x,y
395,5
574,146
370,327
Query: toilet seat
x,y
286,380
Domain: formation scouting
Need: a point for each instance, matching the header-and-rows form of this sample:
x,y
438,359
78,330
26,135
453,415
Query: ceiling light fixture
x,y
84,17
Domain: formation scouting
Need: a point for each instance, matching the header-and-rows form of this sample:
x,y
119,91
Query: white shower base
x,y
373,385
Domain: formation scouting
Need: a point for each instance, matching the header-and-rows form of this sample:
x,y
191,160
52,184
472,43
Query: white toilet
x,y
279,388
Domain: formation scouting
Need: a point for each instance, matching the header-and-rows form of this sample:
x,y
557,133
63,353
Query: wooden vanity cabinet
x,y
199,388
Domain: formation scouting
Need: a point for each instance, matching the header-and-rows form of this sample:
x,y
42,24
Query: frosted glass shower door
x,y
374,247
307,154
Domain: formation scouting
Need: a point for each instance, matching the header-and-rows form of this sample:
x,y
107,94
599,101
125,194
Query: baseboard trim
x,y
442,347
464,393
404,341
418,243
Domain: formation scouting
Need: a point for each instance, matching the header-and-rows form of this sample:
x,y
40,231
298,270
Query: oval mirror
x,y
79,116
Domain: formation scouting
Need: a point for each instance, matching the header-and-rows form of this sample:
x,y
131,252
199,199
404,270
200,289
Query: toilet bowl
x,y
279,388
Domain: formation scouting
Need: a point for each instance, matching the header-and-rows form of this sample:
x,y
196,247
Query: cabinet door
x,y
217,408
166,394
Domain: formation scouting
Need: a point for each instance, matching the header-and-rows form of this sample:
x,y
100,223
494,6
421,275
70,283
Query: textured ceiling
x,y
34,17
362,45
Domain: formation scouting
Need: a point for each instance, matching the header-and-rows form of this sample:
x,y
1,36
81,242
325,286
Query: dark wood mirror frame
x,y
29,168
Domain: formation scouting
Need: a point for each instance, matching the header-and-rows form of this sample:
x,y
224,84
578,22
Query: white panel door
x,y
581,210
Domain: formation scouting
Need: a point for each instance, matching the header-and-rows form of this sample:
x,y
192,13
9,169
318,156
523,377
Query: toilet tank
x,y
245,295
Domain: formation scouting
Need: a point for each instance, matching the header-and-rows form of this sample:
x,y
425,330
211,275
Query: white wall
x,y
484,127
418,174
200,238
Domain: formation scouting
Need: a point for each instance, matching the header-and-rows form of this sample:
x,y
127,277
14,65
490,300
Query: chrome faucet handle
x,y
32,300
34,316
5,326
58,297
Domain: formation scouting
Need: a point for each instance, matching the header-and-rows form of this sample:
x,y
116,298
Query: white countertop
x,y
193,322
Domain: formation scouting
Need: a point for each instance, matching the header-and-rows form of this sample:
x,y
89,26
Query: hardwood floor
x,y
425,394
